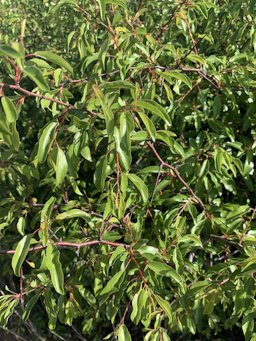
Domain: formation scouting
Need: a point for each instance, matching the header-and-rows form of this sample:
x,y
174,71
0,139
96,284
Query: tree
x,y
127,169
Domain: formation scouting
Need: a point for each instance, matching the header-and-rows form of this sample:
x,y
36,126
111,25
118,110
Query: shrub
x,y
127,141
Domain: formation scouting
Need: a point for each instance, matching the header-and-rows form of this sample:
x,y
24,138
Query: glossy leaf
x,y
123,333
74,213
8,51
61,167
9,109
165,270
155,109
45,141
141,186
20,254
36,76
56,59
54,266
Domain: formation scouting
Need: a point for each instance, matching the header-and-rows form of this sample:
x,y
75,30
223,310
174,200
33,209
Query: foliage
x,y
128,141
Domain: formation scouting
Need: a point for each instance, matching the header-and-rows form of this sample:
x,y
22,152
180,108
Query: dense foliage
x,y
127,155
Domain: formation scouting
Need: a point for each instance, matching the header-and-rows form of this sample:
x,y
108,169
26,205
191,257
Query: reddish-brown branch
x,y
177,174
33,94
71,244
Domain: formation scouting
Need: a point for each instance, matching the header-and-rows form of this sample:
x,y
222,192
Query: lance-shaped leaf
x,y
75,213
168,75
9,109
54,58
46,219
164,305
121,3
123,141
155,108
123,333
100,173
116,85
36,76
165,270
102,6
8,51
51,308
140,184
112,284
149,125
21,252
21,224
15,137
45,141
29,306
61,167
54,266
108,113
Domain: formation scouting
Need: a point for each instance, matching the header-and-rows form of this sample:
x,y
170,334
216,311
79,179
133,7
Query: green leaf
x,y
121,3
139,305
51,308
111,285
155,108
54,58
21,252
46,220
149,125
100,173
165,270
195,58
9,109
123,333
7,308
29,306
8,51
102,6
36,76
116,85
164,305
45,141
75,213
61,167
123,142
140,184
15,138
54,266
135,316
168,75
248,325
108,113
21,224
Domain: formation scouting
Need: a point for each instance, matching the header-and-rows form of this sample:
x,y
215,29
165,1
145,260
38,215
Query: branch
x,y
71,244
177,174
32,94
224,240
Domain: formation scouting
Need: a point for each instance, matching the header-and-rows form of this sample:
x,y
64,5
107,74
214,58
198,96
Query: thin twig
x,y
71,244
178,176
33,94
18,337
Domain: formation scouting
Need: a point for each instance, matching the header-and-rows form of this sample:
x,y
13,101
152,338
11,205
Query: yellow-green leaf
x,y
9,109
36,76
21,252
45,141
140,184
75,213
155,108
61,167
54,266
54,58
